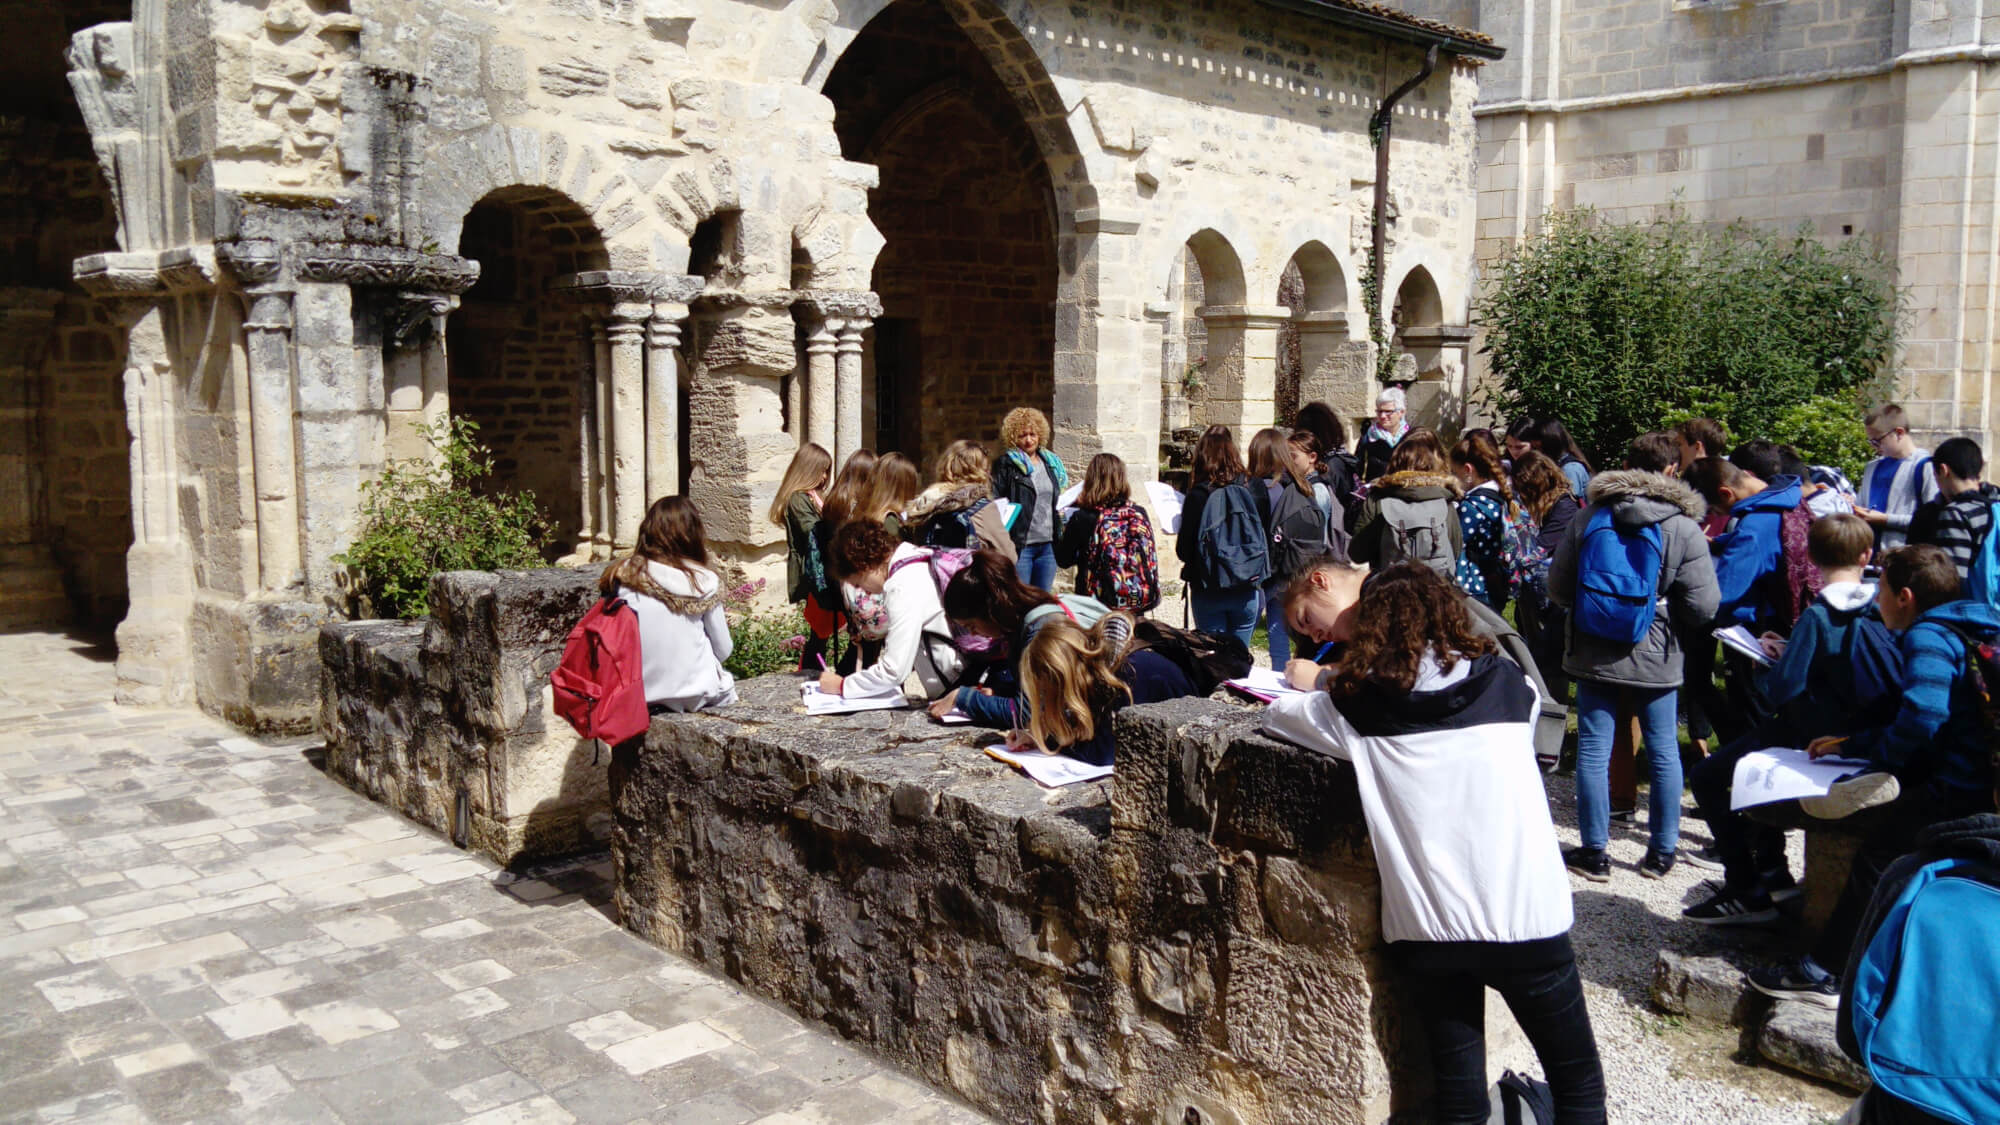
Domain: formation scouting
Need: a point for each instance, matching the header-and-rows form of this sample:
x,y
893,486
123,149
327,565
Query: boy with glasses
x,y
1897,482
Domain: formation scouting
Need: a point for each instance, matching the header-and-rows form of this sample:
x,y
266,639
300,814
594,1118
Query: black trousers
x,y
1547,1001
1747,848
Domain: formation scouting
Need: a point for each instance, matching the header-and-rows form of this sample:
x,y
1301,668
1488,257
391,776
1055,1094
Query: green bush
x,y
1826,430
425,516
1615,328
765,642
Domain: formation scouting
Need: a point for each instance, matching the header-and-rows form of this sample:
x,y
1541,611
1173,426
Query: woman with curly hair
x,y
1440,730
1028,476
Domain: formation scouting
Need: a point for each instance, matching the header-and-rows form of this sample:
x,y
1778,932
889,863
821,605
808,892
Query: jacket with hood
x,y
1960,525
1441,489
944,502
1013,481
1638,499
1455,806
1751,551
683,634
1815,684
1939,734
919,638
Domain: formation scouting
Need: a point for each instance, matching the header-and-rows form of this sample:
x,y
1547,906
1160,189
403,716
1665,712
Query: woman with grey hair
x,y
1384,432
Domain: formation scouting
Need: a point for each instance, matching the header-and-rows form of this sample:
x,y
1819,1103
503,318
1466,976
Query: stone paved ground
x,y
202,927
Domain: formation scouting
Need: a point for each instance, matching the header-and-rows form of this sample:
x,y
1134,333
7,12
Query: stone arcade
x,y
649,246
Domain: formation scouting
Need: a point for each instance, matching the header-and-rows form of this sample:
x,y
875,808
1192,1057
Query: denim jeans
x,y
1232,611
994,711
1036,565
1273,598
1596,718
1547,1002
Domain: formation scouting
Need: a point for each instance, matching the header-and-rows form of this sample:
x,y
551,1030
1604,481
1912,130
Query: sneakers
x,y
1590,863
1780,885
1707,859
1656,864
1733,908
1793,982
1850,795
1625,816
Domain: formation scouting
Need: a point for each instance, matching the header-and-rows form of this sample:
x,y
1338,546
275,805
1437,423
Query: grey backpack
x,y
1417,532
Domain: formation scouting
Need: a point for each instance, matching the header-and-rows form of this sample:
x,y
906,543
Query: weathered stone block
x,y
1702,988
1801,1037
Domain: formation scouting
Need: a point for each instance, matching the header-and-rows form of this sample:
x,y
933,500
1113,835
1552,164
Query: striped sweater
x,y
1911,484
1961,525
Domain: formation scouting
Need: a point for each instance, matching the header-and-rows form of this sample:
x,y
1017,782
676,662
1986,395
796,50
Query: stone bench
x,y
1196,940
449,721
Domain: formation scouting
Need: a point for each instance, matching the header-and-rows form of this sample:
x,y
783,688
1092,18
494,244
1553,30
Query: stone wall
x,y
448,721
1199,933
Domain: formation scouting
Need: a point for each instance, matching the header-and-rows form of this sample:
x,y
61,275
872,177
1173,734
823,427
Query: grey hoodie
x,y
1687,579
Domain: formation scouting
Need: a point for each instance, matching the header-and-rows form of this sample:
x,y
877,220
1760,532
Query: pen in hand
x,y
1324,650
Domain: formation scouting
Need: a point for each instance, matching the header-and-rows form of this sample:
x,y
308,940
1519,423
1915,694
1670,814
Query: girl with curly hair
x,y
1440,730
1028,476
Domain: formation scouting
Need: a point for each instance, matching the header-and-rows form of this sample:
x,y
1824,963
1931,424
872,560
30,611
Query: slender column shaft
x,y
627,333
274,465
586,526
663,401
847,365
600,493
820,347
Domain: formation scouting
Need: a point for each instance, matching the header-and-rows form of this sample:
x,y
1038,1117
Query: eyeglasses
x,y
1876,440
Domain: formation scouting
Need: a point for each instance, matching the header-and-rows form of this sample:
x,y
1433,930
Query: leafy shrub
x,y
1613,328
1826,430
765,642
423,516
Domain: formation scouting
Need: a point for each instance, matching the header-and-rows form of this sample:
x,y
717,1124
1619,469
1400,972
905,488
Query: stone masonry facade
x,y
650,247
1871,120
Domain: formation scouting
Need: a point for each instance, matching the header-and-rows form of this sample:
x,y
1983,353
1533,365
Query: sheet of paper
x,y
1069,495
1166,506
820,703
1051,770
954,718
1745,642
1265,684
1783,774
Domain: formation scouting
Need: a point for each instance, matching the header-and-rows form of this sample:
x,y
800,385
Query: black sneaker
x,y
1790,982
1707,859
1625,816
1779,885
1590,863
1733,908
1656,864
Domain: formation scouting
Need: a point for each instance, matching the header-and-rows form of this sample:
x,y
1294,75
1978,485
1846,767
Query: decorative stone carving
x,y
616,286
385,267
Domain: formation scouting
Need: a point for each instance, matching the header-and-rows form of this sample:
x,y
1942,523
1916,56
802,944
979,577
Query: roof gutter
x,y
1388,28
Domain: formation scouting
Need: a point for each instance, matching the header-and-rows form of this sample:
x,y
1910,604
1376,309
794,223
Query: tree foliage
x,y
426,516
1615,328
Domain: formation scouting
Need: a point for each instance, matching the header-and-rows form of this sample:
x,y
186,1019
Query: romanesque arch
x,y
520,360
969,215
1310,345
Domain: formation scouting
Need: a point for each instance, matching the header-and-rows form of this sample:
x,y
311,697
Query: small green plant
x,y
1192,379
425,516
764,642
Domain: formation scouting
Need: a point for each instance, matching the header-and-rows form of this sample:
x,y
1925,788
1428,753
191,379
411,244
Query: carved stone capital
x,y
406,313
146,273
385,267
609,287
252,262
842,302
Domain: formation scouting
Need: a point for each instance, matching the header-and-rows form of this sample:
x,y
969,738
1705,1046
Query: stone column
x,y
847,368
1243,366
586,442
274,463
626,334
600,391
1335,369
1107,390
155,661
1167,409
820,347
663,401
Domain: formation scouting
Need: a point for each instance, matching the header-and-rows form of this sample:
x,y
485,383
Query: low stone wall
x,y
1195,941
449,720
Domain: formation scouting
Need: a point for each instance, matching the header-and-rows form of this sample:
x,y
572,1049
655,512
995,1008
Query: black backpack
x,y
1300,530
1206,658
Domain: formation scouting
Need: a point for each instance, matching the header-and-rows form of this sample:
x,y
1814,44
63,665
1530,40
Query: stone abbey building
x,y
651,245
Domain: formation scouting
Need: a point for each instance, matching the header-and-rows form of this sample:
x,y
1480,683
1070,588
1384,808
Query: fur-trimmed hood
x,y
670,586
940,499
1411,485
1640,499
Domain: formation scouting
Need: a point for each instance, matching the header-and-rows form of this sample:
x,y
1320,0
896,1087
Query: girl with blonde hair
x,y
1074,679
844,502
958,510
891,487
1028,476
796,508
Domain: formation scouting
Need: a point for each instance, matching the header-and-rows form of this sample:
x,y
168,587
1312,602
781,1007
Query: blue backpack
x,y
1982,582
1923,993
1617,579
1231,541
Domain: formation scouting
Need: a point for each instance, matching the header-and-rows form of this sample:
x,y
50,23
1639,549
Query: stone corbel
x,y
410,316
614,287
156,274
384,267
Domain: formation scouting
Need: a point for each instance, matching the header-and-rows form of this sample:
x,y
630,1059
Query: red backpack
x,y
600,686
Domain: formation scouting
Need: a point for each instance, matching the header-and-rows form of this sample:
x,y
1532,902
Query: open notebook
x,y
820,703
1052,770
1265,684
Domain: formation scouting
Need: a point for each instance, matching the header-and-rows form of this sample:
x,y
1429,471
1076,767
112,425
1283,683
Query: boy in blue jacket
x,y
1932,762
1833,672
1750,572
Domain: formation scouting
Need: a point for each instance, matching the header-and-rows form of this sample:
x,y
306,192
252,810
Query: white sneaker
x,y
1850,795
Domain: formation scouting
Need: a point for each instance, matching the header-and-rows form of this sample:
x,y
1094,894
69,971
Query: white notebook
x,y
1052,770
821,703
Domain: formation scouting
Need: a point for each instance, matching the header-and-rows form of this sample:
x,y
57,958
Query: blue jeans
x,y
1036,565
1280,645
996,712
1232,611
1596,720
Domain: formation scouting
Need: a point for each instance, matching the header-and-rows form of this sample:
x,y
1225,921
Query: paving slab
x,y
202,926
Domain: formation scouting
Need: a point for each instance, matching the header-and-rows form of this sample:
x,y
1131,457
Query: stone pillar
x,y
155,660
274,463
1243,366
435,376
663,401
586,444
847,367
1107,389
820,347
600,392
1335,369
625,332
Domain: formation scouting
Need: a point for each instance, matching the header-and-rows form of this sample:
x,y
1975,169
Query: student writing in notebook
x,y
868,557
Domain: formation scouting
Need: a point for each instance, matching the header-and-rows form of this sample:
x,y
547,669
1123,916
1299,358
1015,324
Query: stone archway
x,y
968,275
1318,359
521,362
